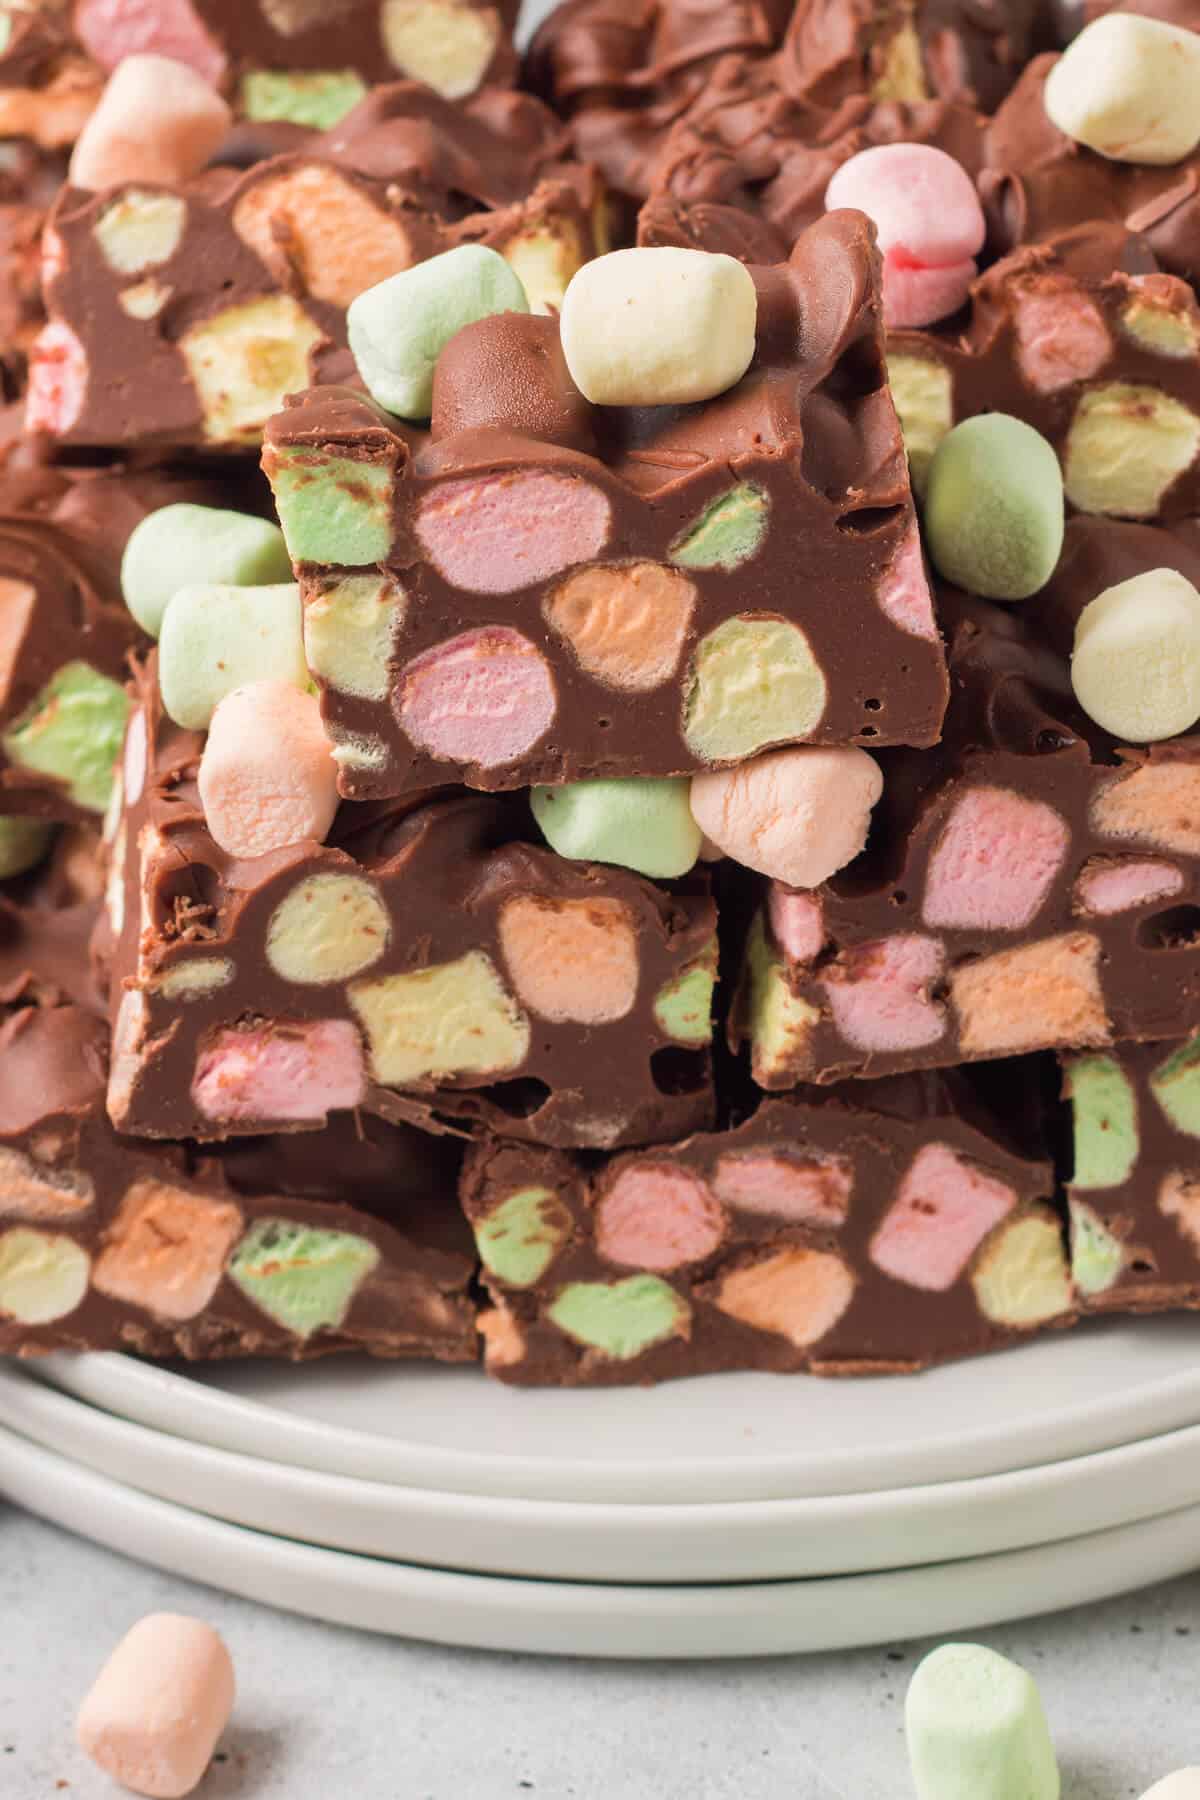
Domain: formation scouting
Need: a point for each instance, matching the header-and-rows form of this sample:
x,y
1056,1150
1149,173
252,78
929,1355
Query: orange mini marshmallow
x,y
797,815
267,776
159,1705
157,121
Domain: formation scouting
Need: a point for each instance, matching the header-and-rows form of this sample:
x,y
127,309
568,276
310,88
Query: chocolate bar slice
x,y
542,590
179,318
65,634
1084,338
1029,884
105,1243
307,61
1135,1184
871,1230
430,962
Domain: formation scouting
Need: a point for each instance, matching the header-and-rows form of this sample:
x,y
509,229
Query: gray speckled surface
x,y
327,1714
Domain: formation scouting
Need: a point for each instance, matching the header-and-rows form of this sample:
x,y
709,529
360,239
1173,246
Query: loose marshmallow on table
x,y
157,121
215,639
159,1705
994,511
184,544
1184,1784
1129,88
400,327
929,222
640,823
267,776
1136,664
797,815
658,327
976,1729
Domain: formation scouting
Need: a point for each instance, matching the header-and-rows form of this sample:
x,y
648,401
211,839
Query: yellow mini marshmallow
x,y
1136,666
1129,88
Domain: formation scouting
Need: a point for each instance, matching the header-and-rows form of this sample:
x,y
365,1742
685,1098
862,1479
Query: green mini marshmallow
x,y
923,393
779,1023
1105,1118
520,1239
640,824
43,1276
621,1318
199,544
728,532
317,97
73,731
400,327
23,844
753,682
976,1729
303,1278
333,509
994,507
1097,1257
683,1008
1175,1084
215,639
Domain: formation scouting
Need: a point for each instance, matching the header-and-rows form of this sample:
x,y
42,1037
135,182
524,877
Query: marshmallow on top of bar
x,y
307,61
1030,883
881,1228
185,303
546,588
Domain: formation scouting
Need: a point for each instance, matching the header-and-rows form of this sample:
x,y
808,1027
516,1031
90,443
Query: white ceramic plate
x,y
724,1438
737,1541
578,1619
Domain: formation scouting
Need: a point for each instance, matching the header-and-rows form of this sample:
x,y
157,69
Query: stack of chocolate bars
x,y
598,685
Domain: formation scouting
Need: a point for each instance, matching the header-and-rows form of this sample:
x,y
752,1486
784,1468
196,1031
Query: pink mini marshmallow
x,y
929,222
797,815
812,1191
880,996
944,1209
159,1705
904,595
496,534
995,861
111,30
267,776
1115,886
281,1072
1061,335
657,1216
58,378
157,121
484,697
796,924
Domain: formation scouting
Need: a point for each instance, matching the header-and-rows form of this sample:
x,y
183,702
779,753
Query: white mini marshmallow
x,y
1136,665
267,776
797,815
1183,1784
157,121
658,327
216,638
1129,88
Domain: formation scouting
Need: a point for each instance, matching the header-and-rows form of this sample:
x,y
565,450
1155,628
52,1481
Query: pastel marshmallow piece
x,y
929,223
184,544
1184,1784
995,861
658,1216
642,823
112,30
1136,663
994,511
812,1190
281,1073
1129,88
976,1729
58,380
267,776
157,121
571,959
797,924
158,1707
881,997
796,815
658,327
400,327
486,698
944,1208
1061,334
497,534
1106,886
797,1293
215,639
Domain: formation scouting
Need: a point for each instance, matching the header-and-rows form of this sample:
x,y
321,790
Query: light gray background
x,y
327,1714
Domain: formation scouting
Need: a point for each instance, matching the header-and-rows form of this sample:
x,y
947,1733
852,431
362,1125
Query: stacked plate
x,y
739,1515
